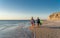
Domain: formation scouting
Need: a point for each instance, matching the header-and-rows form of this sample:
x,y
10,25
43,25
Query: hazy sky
x,y
24,9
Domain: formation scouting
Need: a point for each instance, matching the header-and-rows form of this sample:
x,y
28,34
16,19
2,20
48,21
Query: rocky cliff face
x,y
54,16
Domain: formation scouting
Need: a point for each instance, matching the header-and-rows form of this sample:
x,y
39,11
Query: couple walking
x,y
37,21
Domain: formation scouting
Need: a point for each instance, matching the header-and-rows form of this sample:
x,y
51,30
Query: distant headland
x,y
54,16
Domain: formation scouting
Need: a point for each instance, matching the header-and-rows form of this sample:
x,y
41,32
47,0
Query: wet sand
x,y
17,32
47,30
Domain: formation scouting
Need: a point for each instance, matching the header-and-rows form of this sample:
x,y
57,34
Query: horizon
x,y
25,9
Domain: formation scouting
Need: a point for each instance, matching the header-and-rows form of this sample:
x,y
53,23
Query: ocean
x,y
4,24
8,27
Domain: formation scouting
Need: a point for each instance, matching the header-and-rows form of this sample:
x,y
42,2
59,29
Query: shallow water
x,y
16,33
14,29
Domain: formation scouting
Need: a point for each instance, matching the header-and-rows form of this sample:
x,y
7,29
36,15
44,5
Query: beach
x,y
47,30
17,32
29,18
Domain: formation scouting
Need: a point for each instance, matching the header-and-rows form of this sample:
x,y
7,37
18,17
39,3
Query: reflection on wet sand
x,y
16,33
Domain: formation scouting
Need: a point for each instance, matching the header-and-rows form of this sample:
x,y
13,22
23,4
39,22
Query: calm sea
x,y
6,24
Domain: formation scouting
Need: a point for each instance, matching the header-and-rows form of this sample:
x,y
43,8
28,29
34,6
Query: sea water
x,y
5,24
7,27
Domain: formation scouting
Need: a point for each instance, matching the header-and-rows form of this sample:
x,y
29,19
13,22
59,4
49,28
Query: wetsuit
x,y
38,22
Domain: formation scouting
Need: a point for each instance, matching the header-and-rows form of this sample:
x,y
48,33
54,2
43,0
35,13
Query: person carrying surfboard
x,y
38,21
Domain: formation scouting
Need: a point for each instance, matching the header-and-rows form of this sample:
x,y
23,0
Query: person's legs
x,y
38,24
33,24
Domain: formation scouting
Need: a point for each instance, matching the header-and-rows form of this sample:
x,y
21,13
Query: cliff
x,y
54,16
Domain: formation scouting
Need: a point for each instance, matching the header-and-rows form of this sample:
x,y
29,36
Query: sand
x,y
47,30
17,32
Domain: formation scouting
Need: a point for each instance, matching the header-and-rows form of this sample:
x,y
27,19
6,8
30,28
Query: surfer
x,y
32,21
38,21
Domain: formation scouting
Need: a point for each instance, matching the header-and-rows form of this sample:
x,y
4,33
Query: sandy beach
x,y
48,30
29,18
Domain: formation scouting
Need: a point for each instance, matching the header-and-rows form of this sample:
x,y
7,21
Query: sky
x,y
25,9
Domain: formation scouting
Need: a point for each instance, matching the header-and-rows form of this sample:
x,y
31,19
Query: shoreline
x,y
45,32
17,32
28,32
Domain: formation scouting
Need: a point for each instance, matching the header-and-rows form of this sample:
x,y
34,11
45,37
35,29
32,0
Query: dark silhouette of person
x,y
38,21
